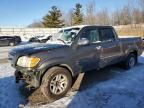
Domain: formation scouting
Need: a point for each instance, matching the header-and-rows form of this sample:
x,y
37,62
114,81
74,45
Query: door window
x,y
107,34
91,34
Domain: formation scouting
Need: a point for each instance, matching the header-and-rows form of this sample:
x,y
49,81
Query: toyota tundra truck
x,y
53,66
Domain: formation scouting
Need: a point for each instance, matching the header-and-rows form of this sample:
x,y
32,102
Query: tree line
x,y
128,14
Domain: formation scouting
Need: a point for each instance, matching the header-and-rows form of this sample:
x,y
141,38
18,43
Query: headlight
x,y
25,61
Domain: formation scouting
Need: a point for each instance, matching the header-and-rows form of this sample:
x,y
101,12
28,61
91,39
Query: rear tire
x,y
131,61
56,83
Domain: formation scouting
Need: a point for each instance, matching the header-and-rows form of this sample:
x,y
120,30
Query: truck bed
x,y
132,42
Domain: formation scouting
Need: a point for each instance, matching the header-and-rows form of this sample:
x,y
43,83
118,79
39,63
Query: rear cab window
x,y
107,34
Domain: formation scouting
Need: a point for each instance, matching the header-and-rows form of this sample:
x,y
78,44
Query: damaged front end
x,y
32,79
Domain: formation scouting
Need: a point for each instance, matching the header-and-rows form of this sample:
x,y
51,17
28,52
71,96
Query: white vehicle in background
x,y
40,39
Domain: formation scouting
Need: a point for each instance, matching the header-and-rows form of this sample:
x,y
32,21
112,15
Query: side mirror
x,y
83,41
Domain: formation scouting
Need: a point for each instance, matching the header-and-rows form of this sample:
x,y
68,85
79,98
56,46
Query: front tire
x,y
56,83
130,61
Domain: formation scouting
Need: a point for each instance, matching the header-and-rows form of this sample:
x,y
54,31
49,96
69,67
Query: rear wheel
x,y
56,83
131,61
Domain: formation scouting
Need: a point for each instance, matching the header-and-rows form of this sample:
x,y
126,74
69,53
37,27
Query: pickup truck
x,y
54,65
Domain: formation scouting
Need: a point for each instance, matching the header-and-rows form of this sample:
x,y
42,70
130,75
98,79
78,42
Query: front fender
x,y
60,61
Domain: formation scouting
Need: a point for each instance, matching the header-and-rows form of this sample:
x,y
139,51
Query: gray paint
x,y
76,58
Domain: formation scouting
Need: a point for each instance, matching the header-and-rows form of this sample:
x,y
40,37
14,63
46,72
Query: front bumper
x,y
32,76
29,77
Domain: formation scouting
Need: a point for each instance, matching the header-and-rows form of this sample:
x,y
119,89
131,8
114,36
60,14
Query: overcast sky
x,y
24,12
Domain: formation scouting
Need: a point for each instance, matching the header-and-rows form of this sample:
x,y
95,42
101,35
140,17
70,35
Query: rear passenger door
x,y
110,45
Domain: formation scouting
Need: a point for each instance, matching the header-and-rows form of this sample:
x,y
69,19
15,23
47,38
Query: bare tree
x,y
136,16
126,17
103,17
90,13
115,17
69,17
142,8
141,2
122,16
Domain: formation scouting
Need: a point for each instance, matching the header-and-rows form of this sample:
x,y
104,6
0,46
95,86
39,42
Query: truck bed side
x,y
131,44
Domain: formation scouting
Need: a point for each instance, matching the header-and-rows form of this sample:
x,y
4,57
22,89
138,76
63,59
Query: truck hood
x,y
35,48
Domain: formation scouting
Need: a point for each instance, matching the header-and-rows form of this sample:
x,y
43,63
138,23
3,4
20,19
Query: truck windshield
x,y
66,35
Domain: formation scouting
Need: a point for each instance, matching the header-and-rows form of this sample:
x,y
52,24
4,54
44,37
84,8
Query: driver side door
x,y
87,56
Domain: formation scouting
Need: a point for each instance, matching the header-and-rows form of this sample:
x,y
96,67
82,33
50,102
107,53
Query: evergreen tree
x,y
77,15
53,18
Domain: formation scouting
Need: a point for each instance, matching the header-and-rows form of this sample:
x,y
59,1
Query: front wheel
x,y
56,83
131,61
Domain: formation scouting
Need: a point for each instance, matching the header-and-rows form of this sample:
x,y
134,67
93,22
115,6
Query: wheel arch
x,y
65,66
129,51
135,52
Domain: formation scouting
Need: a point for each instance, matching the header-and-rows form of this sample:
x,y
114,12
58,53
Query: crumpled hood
x,y
35,47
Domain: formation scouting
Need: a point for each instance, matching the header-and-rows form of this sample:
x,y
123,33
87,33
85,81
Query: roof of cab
x,y
81,26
